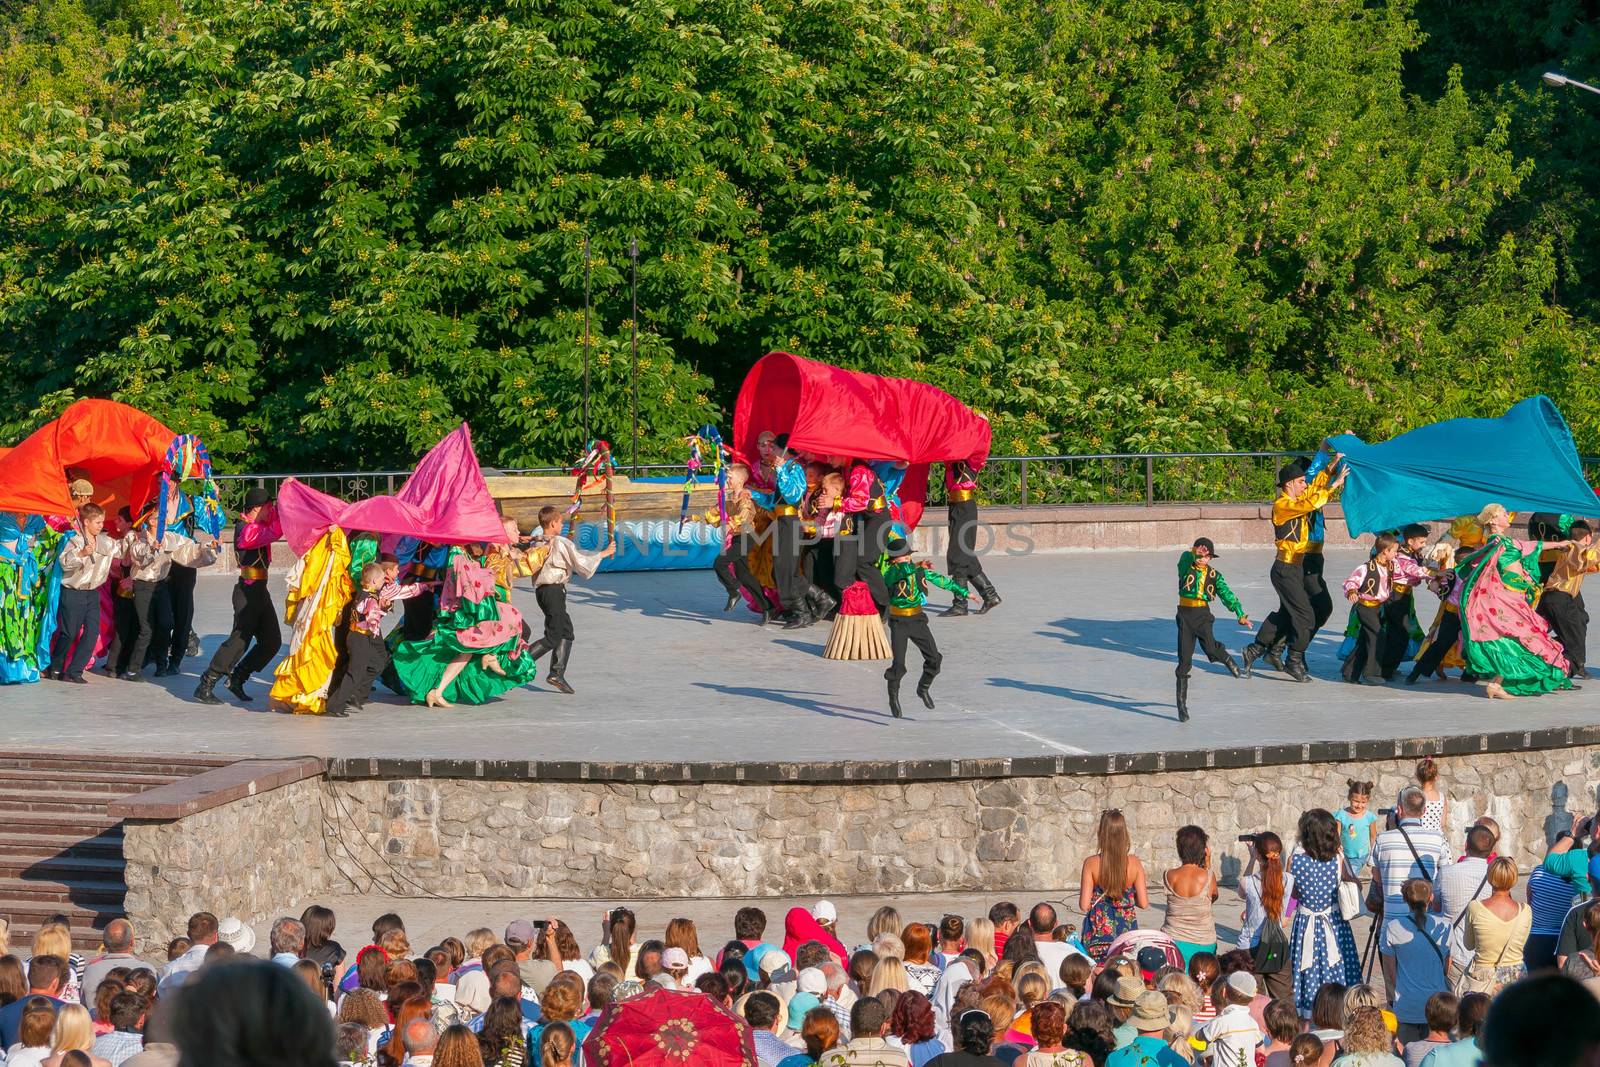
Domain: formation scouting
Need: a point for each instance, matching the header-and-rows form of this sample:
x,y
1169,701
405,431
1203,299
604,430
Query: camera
x,y
1250,838
1386,811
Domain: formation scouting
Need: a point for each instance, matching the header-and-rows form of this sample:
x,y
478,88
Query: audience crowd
x,y
1455,971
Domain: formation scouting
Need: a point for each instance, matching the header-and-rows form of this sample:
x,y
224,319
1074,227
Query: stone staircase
x,y
60,850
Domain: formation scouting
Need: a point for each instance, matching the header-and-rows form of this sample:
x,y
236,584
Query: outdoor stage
x,y
1079,660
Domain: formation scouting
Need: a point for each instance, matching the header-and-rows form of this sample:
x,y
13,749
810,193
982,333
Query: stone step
x,y
88,920
87,781
83,823
178,766
20,846
28,799
77,892
53,867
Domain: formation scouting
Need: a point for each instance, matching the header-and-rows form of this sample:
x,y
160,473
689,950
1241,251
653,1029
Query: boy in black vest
x,y
1198,582
1368,589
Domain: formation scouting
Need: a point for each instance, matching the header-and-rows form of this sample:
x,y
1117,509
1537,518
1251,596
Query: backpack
x,y
1272,951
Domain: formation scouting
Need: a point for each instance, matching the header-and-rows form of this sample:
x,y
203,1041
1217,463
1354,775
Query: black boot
x,y
766,616
821,604
205,692
800,618
1183,700
193,647
558,666
1233,668
236,686
1274,656
1296,667
894,700
538,648
957,608
733,598
925,691
1411,679
1250,653
985,588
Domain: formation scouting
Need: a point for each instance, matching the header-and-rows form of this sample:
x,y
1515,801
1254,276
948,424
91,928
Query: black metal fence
x,y
1107,478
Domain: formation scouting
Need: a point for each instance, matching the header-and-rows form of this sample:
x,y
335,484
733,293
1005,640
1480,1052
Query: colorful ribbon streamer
x,y
188,460
708,435
595,465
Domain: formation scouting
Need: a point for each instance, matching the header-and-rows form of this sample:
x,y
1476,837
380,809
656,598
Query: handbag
x,y
1350,904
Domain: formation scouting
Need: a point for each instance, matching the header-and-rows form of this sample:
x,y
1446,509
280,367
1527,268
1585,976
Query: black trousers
x,y
77,619
180,587
962,553
553,602
124,631
154,609
1565,614
787,541
1395,638
855,554
1303,604
254,620
1444,640
1363,659
1194,624
912,629
417,615
733,569
368,657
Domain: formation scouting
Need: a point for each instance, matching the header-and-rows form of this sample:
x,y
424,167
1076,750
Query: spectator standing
x,y
117,951
682,933
125,1040
868,1047
1358,825
1463,1051
911,1027
1441,1013
1435,814
1150,1018
321,948
202,934
46,978
974,1037
1497,933
1112,887
1419,944
1191,891
1575,935
1410,850
1232,1037
1583,966
287,940
618,947
1052,953
1006,918
952,940
1321,947
1265,885
1550,895
1458,885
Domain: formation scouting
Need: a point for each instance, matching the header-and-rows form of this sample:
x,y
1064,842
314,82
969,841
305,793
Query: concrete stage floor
x,y
1079,659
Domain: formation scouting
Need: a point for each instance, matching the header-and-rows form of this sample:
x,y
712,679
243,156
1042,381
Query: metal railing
x,y
1103,478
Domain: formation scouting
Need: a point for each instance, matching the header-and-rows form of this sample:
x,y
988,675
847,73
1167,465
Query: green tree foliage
x,y
326,230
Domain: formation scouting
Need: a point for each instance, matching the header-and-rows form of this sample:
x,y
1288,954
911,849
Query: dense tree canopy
x,y
318,232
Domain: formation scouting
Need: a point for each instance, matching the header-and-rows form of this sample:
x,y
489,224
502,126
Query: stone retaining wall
x,y
265,855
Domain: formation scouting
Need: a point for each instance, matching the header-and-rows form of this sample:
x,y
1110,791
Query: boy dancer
x,y
961,490
368,654
254,616
1303,600
550,590
908,592
732,567
1562,601
85,566
1198,582
1368,589
1410,571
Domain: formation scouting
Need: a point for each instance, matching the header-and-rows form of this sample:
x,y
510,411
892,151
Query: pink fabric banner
x,y
445,501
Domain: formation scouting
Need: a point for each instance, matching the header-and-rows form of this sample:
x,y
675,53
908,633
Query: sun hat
x,y
1127,993
1150,1012
233,932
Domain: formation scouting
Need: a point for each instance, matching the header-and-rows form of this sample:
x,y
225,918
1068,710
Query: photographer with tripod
x,y
1410,850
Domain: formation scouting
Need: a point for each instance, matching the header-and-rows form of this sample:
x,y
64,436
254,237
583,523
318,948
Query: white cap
x,y
231,931
812,980
825,912
674,957
776,960
1243,982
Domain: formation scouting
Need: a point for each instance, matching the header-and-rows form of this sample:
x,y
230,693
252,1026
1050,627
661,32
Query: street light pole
x,y
1562,81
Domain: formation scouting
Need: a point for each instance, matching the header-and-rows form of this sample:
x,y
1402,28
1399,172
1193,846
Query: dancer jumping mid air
x,y
908,592
1198,583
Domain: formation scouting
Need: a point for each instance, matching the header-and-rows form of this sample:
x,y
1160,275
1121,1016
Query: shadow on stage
x,y
1113,701
796,699
1148,638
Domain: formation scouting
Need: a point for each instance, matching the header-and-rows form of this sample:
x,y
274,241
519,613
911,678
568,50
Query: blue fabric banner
x,y
1524,460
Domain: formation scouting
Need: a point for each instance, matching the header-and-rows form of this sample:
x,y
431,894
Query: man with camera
x,y
1410,850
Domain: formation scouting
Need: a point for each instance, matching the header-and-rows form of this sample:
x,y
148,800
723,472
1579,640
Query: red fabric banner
x,y
830,411
118,448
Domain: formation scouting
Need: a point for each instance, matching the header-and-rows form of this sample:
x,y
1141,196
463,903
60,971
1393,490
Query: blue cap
x,y
1594,869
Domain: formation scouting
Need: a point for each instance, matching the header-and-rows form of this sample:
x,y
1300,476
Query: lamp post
x,y
1562,81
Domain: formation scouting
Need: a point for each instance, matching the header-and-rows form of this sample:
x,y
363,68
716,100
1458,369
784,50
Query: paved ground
x,y
428,921
1079,659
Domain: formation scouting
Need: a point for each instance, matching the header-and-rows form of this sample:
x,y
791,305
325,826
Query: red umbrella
x,y
669,1028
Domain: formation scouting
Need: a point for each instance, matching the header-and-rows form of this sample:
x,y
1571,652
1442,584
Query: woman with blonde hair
x,y
74,1031
55,939
1112,887
1497,933
1502,638
890,973
1367,1041
884,921
980,937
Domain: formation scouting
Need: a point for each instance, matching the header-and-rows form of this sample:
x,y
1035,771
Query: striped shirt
x,y
1550,896
1457,886
1394,863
